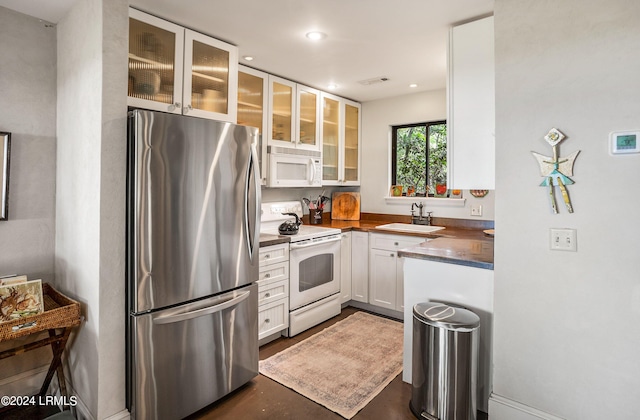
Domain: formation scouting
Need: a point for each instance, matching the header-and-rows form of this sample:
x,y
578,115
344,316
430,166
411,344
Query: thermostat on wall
x,y
624,142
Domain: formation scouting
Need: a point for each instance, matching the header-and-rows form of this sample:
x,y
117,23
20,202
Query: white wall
x,y
377,118
566,325
91,155
27,101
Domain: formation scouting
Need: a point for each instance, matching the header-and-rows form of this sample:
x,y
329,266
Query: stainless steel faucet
x,y
419,206
420,219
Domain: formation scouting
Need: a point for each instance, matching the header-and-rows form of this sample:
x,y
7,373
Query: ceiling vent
x,y
373,81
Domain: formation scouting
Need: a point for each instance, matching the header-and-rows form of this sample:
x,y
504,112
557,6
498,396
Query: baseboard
x,y
122,415
82,412
501,408
375,309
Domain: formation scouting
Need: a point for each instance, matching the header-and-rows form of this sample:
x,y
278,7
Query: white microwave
x,y
294,168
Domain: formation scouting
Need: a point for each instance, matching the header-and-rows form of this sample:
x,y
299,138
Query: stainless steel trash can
x,y
445,360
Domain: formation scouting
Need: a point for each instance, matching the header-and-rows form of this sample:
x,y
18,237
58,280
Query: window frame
x,y
394,148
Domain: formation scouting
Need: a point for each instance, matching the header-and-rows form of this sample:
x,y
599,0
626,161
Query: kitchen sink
x,y
406,227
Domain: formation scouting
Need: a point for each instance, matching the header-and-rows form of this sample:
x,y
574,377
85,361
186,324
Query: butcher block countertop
x,y
268,240
462,242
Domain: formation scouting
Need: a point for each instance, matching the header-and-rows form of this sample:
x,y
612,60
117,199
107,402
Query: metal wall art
x,y
556,171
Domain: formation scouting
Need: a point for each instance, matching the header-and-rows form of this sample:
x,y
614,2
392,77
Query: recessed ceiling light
x,y
248,57
413,85
315,35
332,86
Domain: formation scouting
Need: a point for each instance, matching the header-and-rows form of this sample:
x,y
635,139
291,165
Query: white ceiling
x,y
403,40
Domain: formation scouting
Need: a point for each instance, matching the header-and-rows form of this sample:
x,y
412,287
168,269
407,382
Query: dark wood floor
x,y
263,398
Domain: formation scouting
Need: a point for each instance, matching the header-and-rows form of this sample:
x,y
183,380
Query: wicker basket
x,y
59,312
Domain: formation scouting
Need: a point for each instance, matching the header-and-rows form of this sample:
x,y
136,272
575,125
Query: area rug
x,y
344,366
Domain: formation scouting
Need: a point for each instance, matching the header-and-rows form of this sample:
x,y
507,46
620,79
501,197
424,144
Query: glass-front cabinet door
x,y
210,77
340,141
308,127
155,63
330,134
173,69
253,92
351,148
282,97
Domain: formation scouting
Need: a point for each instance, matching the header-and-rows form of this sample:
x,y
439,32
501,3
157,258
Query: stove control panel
x,y
273,211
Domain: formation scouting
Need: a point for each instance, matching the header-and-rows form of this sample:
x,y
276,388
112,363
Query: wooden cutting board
x,y
345,206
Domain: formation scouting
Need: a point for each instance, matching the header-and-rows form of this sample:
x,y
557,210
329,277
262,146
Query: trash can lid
x,y
446,316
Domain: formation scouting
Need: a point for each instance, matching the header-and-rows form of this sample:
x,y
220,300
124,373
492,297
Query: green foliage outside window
x,y
418,162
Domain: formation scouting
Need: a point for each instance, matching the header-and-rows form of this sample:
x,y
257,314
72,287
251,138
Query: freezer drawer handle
x,y
168,319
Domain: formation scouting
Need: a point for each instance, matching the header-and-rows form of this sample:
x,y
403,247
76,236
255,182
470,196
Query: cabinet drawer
x,y
273,317
394,242
272,290
274,272
274,254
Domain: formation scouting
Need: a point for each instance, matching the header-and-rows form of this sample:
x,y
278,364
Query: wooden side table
x,y
60,316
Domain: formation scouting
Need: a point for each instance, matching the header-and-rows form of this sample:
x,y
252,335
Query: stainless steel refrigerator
x,y
193,201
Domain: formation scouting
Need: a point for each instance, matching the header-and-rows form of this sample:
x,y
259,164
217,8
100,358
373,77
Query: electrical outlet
x,y
563,240
476,210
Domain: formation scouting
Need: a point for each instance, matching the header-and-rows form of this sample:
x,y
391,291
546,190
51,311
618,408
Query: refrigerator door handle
x,y
183,316
253,237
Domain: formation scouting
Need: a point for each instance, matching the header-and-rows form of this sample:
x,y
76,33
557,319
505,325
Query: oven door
x,y
314,270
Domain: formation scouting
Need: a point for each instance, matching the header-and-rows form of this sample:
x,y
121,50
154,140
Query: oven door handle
x,y
307,245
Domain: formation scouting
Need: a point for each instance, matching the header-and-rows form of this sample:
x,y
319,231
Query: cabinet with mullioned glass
x,y
253,105
177,70
294,115
340,134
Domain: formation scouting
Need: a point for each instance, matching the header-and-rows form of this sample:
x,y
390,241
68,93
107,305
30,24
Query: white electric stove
x,y
314,267
272,217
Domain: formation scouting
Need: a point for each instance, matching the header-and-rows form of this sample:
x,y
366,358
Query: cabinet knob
x,y
173,107
267,321
267,295
267,256
266,276
395,243
392,255
187,108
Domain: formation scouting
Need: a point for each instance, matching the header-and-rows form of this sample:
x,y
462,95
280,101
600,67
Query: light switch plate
x,y
563,240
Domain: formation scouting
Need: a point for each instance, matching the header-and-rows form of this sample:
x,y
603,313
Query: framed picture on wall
x,y
5,152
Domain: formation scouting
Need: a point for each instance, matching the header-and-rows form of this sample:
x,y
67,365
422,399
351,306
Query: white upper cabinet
x,y
471,107
253,105
308,121
340,136
156,49
210,77
173,69
282,105
294,109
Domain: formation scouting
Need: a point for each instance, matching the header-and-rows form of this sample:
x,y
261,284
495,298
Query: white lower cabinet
x,y
273,290
386,279
360,266
345,268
